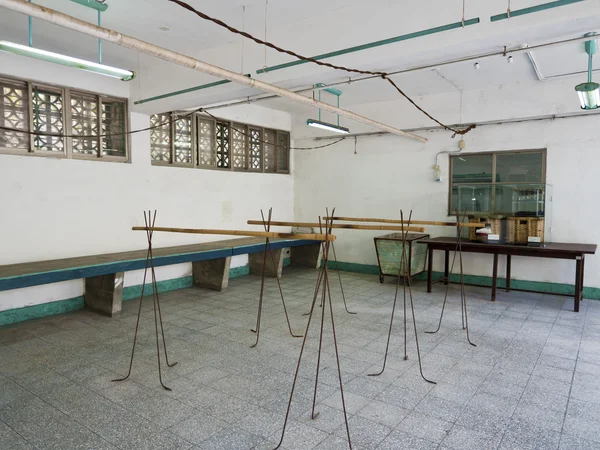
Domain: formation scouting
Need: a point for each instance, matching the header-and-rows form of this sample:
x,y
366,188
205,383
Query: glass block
x,y
47,107
183,140
160,137
206,142
222,144
255,151
84,123
14,113
283,152
238,142
269,149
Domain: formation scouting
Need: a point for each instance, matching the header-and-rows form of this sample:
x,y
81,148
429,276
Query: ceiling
x,y
314,27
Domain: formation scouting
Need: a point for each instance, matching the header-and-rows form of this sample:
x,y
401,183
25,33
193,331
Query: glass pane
x,y
48,118
255,149
472,199
519,167
84,123
183,140
238,141
14,113
472,169
222,139
269,139
206,143
526,200
114,141
160,137
283,152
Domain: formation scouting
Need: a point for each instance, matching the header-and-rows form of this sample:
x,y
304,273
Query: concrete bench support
x,y
212,274
255,263
307,256
104,293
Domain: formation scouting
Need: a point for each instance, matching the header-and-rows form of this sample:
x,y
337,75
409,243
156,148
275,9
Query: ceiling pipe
x,y
541,77
532,9
464,125
71,23
522,48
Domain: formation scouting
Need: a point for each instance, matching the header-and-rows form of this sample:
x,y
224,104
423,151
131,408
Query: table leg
x,y
578,269
429,267
508,273
495,277
446,265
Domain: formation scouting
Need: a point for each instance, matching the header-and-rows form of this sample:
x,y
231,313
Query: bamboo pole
x,y
339,225
416,222
272,235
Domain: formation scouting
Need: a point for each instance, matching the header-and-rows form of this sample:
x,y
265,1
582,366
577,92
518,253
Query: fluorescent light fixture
x,y
327,126
57,58
589,93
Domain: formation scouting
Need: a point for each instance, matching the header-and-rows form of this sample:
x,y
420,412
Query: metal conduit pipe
x,y
71,23
464,125
477,57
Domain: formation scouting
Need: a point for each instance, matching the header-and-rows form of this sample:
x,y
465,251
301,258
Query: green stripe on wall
x,y
43,310
477,280
129,293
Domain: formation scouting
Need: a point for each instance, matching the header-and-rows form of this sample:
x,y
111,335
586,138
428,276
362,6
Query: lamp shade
x,y
589,95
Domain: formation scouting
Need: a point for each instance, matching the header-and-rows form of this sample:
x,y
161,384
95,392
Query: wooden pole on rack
x,y
342,226
415,222
272,235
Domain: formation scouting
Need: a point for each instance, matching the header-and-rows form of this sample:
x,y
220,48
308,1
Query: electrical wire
x,y
160,125
259,41
94,136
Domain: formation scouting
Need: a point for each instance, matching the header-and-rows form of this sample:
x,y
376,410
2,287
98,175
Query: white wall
x,y
58,208
389,173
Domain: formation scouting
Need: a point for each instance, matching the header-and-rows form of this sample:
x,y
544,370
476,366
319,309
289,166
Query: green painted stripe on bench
x,y
592,293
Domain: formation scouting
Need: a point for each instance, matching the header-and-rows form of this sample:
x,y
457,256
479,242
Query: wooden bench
x,y
104,274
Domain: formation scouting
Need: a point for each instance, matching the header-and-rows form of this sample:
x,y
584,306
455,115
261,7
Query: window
x,y
96,123
197,141
496,183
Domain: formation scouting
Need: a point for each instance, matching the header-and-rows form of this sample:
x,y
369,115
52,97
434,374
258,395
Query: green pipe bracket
x,y
185,91
405,37
94,4
533,9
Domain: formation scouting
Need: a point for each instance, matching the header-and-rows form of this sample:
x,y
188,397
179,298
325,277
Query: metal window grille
x,y
47,105
14,113
84,122
255,149
205,142
239,141
160,137
222,144
183,140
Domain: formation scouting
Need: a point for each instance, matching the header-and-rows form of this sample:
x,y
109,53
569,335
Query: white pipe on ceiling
x,y
71,23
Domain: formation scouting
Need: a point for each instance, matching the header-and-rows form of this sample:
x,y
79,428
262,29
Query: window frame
x,y
494,183
67,152
247,128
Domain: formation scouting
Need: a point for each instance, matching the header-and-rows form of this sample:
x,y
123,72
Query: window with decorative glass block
x,y
14,113
60,122
160,137
182,142
222,140
48,117
217,144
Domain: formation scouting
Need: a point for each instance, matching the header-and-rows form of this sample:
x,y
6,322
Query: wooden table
x,y
554,250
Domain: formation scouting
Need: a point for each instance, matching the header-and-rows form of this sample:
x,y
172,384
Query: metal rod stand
x,y
403,273
323,284
149,221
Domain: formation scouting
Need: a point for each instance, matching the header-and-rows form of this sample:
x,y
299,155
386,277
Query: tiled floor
x,y
532,382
